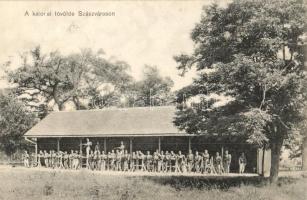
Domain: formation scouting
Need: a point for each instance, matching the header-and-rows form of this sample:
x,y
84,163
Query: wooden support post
x,y
58,145
159,144
36,149
222,154
189,143
131,146
80,145
105,145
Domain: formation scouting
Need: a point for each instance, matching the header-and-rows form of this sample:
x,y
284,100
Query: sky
x,y
140,33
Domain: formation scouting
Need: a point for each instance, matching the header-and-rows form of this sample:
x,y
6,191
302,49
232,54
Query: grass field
x,y
20,183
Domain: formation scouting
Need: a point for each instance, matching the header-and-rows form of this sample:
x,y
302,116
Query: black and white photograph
x,y
153,100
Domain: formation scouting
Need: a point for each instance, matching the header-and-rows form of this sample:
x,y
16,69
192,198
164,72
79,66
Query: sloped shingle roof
x,y
141,121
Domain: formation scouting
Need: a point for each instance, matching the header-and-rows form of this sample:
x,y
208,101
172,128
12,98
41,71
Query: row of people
x,y
121,160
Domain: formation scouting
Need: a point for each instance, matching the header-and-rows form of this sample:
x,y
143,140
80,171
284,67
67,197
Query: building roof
x,y
139,121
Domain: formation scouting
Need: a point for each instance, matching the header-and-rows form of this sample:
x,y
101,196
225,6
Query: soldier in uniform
x,y
180,161
112,160
96,159
65,158
173,161
125,161
46,158
70,157
88,145
25,157
57,159
160,162
227,161
92,160
218,163
52,159
97,147
190,160
73,157
205,161
155,161
143,157
133,161
103,161
109,165
118,160
242,163
197,162
76,160
184,165
60,157
40,156
168,162
148,161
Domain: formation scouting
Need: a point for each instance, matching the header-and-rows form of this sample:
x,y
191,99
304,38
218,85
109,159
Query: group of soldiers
x,y
120,160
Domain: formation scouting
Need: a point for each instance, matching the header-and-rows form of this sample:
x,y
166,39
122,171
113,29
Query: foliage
x,y
15,120
152,90
53,78
252,52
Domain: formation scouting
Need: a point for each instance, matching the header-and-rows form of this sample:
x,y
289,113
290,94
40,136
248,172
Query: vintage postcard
x,y
173,99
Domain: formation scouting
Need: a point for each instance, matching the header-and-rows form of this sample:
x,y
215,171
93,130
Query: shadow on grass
x,y
222,183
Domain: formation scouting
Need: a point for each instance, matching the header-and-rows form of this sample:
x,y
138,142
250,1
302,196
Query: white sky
x,y
140,33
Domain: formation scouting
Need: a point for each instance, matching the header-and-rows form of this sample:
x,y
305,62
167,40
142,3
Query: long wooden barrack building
x,y
140,128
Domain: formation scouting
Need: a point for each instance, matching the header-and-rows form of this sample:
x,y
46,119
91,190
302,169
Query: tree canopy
x,y
78,78
152,90
250,51
15,120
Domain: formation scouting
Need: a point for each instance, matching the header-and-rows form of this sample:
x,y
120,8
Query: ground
x,y
43,184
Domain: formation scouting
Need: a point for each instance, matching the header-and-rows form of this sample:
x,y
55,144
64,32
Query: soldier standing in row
x,y
65,158
148,161
173,161
227,161
133,162
118,158
181,160
160,162
70,159
205,161
242,163
75,160
218,163
169,161
103,161
190,160
25,158
87,145
143,158
155,161
197,162
46,158
125,161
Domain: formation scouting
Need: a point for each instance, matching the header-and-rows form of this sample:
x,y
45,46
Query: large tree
x,y
152,90
43,79
250,52
15,120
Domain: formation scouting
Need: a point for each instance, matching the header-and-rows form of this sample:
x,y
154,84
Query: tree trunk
x,y
263,159
77,103
61,106
304,154
275,158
